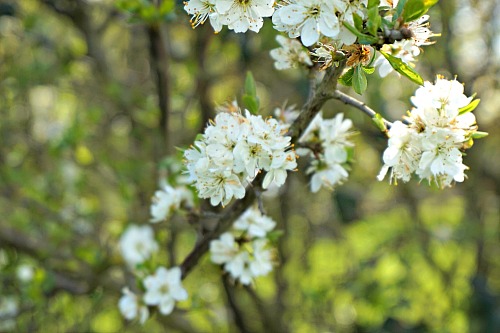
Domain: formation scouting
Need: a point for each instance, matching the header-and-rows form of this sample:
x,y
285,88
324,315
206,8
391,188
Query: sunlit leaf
x,y
403,68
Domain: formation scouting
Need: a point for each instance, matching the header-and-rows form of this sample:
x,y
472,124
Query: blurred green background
x,y
85,87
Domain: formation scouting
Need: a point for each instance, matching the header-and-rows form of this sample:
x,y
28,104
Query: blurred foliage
x,y
82,154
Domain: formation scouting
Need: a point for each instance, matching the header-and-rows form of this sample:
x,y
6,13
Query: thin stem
x,y
346,99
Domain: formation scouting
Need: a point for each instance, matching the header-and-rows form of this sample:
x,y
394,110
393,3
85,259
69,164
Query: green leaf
x,y
346,79
250,88
368,70
374,21
479,135
359,82
399,9
373,3
414,9
379,121
358,22
403,68
362,38
251,103
274,235
249,98
471,107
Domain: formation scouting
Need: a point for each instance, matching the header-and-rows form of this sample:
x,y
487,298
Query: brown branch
x,y
323,92
160,66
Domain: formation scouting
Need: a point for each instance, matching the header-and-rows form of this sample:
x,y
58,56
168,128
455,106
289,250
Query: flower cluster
x,y
233,150
163,289
247,256
239,16
167,200
327,141
439,127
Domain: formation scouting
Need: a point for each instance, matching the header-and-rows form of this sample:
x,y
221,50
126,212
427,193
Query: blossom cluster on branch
x,y
430,145
233,150
242,153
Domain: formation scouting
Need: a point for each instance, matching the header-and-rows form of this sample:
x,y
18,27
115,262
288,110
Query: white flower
x,y
255,223
164,288
224,249
420,31
201,11
444,94
25,273
137,244
130,308
290,54
241,16
220,187
441,159
245,265
309,19
165,202
9,309
326,175
277,169
402,154
333,137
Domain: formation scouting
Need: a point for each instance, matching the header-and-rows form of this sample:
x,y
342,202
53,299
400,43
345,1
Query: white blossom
x,y
255,223
9,309
309,19
25,272
331,139
201,10
164,288
224,249
402,154
241,16
290,54
137,244
246,265
165,202
130,307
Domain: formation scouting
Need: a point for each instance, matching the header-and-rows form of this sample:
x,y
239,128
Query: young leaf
x,y
359,82
346,79
471,107
399,10
374,21
251,103
373,3
414,9
403,68
250,88
479,135
249,98
379,121
368,70
362,38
